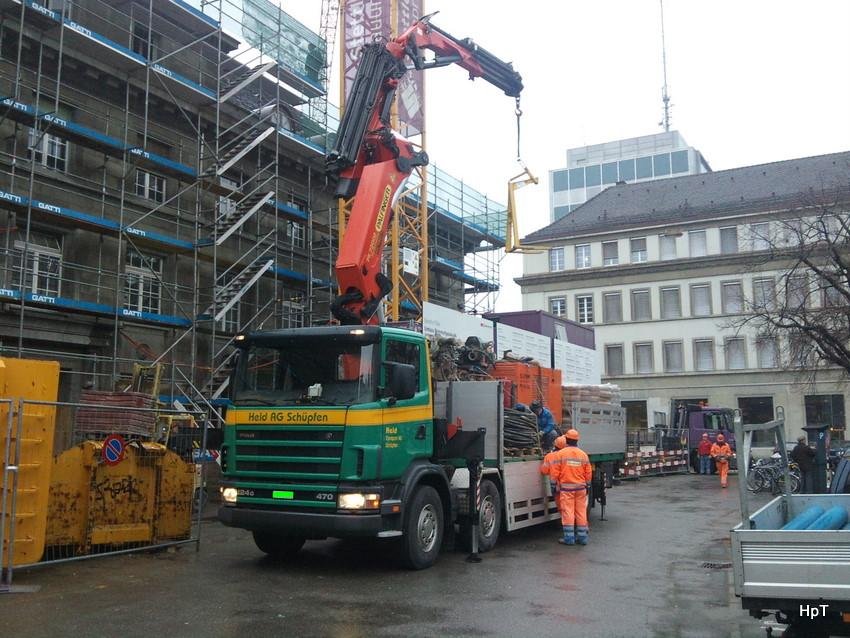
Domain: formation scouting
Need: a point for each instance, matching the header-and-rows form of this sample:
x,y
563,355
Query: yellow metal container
x,y
31,381
143,499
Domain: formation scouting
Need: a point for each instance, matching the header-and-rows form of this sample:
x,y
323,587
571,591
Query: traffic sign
x,y
113,448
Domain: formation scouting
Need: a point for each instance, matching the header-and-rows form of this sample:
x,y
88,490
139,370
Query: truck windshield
x,y
314,372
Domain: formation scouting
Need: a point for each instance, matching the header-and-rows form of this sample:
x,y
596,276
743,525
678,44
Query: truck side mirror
x,y
401,380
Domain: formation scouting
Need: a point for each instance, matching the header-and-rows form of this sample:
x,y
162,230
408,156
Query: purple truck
x,y
694,419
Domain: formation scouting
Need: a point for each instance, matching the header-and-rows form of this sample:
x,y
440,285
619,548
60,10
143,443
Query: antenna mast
x,y
665,98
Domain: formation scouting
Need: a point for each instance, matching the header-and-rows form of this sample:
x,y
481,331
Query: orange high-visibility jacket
x,y
547,466
721,450
571,466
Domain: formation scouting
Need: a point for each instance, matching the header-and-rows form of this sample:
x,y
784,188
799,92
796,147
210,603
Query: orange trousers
x,y
574,509
723,470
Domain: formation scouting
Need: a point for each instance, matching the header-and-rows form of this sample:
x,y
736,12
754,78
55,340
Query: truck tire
x,y
423,529
281,547
489,520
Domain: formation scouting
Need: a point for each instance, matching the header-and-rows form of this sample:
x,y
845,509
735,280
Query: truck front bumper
x,y
307,524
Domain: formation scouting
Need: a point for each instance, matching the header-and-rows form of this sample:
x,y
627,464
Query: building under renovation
x,y
162,188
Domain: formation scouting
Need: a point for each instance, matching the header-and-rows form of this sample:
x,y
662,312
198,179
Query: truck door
x,y
408,423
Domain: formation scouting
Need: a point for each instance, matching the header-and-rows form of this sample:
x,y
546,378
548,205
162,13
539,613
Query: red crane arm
x,y
373,162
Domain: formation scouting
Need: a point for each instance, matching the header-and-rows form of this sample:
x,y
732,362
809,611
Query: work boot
x,y
569,537
581,535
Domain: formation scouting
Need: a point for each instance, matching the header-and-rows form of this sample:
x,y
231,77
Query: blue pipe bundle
x,y
805,518
833,518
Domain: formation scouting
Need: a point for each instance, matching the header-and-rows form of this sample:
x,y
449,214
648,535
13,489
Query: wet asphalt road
x,y
641,575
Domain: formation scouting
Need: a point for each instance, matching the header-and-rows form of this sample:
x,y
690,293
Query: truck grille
x,y
288,454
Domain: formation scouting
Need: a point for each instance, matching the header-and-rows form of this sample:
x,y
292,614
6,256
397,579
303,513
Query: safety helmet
x,y
705,435
535,405
720,438
560,442
572,434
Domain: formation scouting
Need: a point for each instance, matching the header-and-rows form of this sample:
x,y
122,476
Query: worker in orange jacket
x,y
572,468
547,465
721,453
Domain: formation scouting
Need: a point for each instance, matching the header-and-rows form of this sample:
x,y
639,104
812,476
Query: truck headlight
x,y
228,495
358,501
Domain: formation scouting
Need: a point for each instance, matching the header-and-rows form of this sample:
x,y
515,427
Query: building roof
x,y
703,196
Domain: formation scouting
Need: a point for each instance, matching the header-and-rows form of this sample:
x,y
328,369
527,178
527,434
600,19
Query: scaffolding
x,y
162,189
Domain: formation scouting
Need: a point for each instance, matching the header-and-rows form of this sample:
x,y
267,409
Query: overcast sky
x,y
751,81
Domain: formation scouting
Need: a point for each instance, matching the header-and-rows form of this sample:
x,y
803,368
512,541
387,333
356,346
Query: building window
x,y
584,308
732,294
760,236
696,243
556,259
671,304
643,358
583,256
729,240
827,409
668,246
638,248
143,43
592,175
296,233
560,181
764,293
767,352
661,164
796,291
736,353
614,361
558,306
793,232
230,321
700,300
674,360
576,178
800,351
757,410
704,354
48,150
141,282
610,256
644,167
609,173
679,160
627,170
150,186
43,272
612,307
641,305
832,296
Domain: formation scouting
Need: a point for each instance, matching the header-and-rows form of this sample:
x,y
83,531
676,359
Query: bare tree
x,y
807,306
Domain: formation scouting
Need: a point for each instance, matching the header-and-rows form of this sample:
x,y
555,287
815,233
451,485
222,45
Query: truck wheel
x,y
278,546
489,520
423,529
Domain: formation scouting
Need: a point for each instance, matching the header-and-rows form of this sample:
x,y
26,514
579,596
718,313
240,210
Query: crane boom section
x,y
372,162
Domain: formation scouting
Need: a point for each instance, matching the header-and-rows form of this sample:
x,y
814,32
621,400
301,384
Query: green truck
x,y
339,431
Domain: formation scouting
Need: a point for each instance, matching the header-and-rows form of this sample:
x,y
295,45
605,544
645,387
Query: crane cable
x,y
518,112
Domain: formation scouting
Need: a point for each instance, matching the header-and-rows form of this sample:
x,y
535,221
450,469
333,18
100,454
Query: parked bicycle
x,y
769,474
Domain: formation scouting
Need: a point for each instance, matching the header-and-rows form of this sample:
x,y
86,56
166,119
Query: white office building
x,y
591,169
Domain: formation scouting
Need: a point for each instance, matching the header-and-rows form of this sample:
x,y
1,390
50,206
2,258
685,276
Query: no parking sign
x,y
113,448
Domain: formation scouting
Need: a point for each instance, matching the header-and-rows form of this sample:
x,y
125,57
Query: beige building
x,y
664,270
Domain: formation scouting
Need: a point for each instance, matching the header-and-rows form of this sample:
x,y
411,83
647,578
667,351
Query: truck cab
x,y
330,433
692,420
